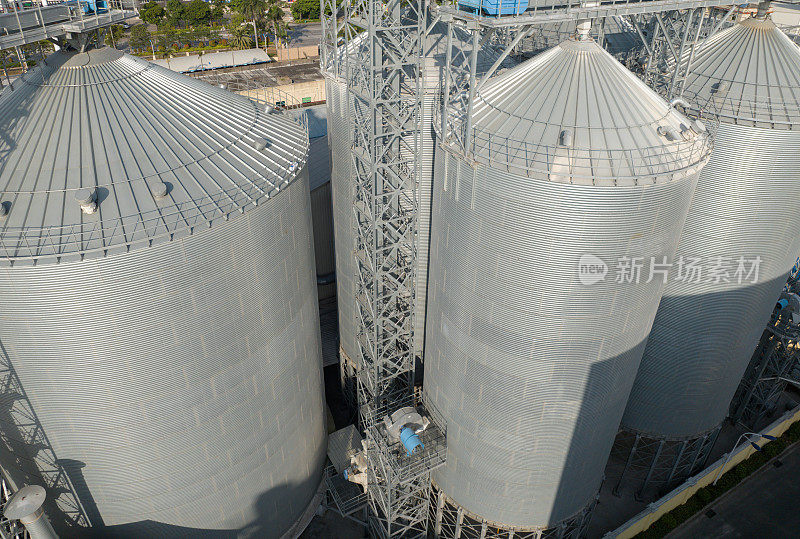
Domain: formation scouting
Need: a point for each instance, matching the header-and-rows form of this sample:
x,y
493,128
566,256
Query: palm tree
x,y
275,18
240,40
4,56
253,10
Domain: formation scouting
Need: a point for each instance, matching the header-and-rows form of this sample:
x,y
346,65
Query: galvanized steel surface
x,y
577,114
748,74
343,197
433,68
180,372
324,254
530,367
186,376
124,127
747,204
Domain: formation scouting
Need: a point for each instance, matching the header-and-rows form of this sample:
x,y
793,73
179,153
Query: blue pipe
x,y
410,440
782,304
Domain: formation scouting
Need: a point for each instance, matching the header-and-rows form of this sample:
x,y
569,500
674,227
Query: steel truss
x,y
451,521
36,20
376,47
671,37
776,357
383,80
656,464
669,31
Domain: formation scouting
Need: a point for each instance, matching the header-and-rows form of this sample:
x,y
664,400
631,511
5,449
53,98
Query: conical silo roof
x,y
159,153
748,73
579,116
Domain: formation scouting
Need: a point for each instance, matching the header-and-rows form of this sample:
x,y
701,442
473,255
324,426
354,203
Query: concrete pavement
x,y
765,505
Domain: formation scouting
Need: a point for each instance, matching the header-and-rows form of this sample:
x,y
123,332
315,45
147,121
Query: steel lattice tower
x,y
382,47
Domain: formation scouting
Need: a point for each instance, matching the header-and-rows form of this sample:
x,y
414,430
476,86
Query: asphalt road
x,y
302,35
765,505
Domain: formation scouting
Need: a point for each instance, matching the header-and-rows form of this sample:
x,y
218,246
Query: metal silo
x,y
159,300
745,218
534,334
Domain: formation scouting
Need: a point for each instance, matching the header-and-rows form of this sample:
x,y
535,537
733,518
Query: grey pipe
x,y
26,506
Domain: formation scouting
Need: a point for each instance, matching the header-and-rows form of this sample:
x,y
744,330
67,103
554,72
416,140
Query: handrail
x,y
570,164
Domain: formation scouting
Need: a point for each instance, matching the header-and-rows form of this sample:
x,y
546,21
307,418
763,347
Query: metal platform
x,y
37,20
773,366
347,498
545,12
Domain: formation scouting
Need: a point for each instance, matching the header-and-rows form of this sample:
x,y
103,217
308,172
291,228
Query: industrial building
x,y
745,211
544,241
159,300
527,369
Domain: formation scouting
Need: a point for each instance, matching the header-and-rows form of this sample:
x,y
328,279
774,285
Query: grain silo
x,y
159,298
534,333
742,232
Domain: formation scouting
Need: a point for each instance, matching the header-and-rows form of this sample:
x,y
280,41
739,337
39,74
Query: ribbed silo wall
x,y
343,197
746,205
433,65
184,378
431,76
529,368
319,171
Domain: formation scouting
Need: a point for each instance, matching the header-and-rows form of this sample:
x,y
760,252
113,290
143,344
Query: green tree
x,y
240,39
305,9
175,13
113,33
4,57
166,37
235,22
140,37
253,10
218,10
152,13
197,13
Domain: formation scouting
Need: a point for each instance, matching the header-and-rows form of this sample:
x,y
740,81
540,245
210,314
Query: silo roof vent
x,y
87,200
159,189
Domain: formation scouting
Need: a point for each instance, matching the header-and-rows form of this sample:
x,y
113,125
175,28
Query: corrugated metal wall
x,y
530,368
322,216
343,196
746,205
319,172
186,377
